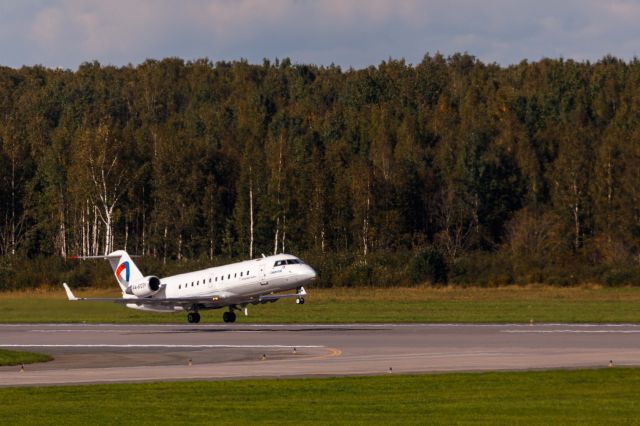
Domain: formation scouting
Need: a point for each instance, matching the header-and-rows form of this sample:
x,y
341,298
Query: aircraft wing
x,y
211,302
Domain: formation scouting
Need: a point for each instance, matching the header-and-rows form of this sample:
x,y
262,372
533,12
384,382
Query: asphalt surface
x,y
106,353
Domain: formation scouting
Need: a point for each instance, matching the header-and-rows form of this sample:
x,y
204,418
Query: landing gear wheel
x,y
229,317
300,300
193,317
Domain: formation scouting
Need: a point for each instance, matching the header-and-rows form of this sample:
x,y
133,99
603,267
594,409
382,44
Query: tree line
x,y
447,169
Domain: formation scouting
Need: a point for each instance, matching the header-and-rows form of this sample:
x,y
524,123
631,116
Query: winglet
x,y
70,295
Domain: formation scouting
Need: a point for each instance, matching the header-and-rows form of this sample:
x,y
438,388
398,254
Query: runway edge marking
x,y
101,345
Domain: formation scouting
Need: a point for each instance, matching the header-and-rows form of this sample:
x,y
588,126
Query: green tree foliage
x,y
523,167
428,265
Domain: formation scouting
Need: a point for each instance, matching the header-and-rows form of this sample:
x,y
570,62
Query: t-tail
x,y
129,277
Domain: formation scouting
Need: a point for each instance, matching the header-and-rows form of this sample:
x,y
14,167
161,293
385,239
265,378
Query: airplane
x,y
233,286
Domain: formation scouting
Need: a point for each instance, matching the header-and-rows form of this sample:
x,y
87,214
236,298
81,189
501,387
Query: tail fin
x,y
123,267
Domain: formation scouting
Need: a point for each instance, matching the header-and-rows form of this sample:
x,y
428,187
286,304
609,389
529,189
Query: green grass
x,y
555,397
21,357
422,304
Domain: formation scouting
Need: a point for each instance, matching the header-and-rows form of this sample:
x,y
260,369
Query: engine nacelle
x,y
148,286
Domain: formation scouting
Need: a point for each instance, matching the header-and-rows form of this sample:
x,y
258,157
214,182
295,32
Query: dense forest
x,y
447,170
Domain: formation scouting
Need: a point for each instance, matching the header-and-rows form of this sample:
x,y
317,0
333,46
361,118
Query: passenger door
x,y
262,275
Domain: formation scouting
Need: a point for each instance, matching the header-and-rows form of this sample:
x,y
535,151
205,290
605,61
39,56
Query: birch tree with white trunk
x,y
110,178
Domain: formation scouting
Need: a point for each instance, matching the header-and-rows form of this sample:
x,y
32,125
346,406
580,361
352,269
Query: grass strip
x,y
21,357
585,397
343,305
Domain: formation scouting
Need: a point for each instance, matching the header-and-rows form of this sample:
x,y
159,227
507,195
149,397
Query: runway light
x,y
390,370
190,363
264,357
531,321
22,368
294,351
610,363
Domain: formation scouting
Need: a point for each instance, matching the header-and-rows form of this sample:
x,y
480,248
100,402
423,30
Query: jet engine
x,y
148,286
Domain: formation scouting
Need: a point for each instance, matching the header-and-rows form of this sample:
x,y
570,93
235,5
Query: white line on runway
x,y
100,345
81,330
91,330
572,331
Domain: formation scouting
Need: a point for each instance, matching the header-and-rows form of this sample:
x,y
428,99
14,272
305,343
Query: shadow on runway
x,y
253,329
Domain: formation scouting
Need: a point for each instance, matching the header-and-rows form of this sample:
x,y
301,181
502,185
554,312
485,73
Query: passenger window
x,y
179,286
216,279
235,275
229,276
222,278
240,273
198,282
247,272
191,283
209,280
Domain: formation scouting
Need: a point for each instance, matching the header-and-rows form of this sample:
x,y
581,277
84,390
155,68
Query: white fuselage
x,y
252,278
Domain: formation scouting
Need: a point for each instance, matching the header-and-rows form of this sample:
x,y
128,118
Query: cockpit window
x,y
287,262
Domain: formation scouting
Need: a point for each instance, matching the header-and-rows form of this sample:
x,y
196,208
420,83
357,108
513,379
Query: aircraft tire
x,y
196,317
300,301
229,316
190,318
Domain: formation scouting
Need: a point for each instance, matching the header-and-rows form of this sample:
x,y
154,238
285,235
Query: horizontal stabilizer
x,y
114,255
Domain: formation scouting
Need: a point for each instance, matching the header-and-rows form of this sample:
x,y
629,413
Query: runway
x,y
107,353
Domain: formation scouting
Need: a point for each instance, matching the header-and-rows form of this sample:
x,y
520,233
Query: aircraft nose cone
x,y
310,274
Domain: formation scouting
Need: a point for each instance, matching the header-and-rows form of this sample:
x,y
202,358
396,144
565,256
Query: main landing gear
x,y
300,300
229,316
193,317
